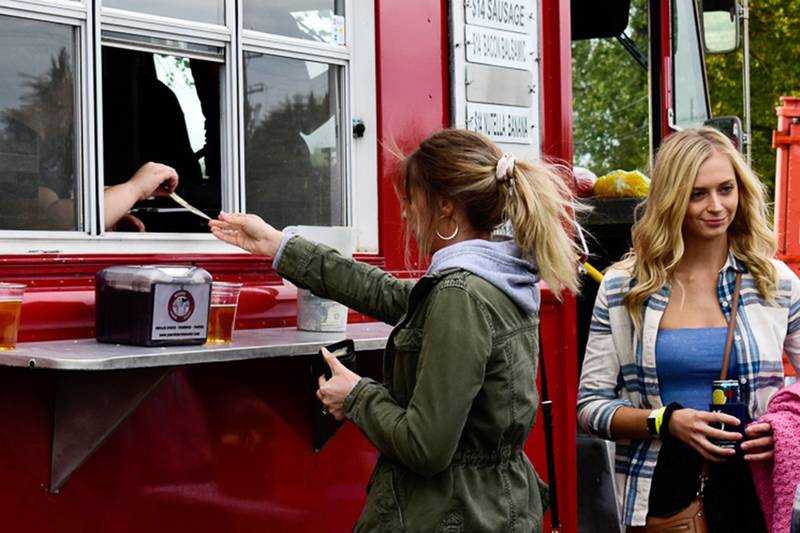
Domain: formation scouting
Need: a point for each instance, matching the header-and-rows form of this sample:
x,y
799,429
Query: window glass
x,y
689,85
610,99
293,155
303,19
165,109
38,121
210,11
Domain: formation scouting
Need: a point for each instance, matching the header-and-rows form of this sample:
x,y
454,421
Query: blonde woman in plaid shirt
x,y
657,336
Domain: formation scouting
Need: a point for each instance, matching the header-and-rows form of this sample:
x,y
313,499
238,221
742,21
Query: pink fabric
x,y
777,480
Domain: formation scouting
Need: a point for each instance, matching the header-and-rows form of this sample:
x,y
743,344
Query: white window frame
x,y
142,24
356,57
363,156
71,14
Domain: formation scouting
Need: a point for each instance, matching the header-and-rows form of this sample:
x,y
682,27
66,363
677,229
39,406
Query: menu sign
x,y
496,71
500,122
508,15
500,48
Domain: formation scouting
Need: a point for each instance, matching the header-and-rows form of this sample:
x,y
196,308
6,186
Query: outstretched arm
x,y
248,232
152,179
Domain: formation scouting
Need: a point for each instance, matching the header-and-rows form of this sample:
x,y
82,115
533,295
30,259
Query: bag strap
x,y
547,423
723,374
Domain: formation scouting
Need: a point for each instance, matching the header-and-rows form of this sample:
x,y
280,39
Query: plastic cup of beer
x,y
10,309
222,311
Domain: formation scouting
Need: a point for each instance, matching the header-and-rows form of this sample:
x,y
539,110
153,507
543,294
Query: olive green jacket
x,y
458,401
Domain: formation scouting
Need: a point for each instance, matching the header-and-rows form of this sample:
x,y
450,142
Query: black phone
x,y
345,352
323,426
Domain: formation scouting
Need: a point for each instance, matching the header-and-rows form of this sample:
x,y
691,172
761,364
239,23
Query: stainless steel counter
x,y
98,385
88,354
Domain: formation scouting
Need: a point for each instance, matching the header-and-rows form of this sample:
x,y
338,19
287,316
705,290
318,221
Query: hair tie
x,y
505,171
505,167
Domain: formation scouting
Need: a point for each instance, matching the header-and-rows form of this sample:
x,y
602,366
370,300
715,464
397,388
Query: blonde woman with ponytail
x,y
459,396
658,335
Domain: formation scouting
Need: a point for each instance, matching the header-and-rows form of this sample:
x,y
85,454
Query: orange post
x,y
786,140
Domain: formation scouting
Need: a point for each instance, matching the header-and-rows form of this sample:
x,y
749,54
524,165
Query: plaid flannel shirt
x,y
620,366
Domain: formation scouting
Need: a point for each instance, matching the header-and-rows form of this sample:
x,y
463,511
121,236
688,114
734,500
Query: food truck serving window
x,y
165,108
249,100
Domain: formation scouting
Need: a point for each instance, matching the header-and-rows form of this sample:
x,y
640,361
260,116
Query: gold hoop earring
x,y
448,237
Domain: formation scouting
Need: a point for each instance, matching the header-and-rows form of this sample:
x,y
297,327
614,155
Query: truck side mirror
x,y
720,26
731,126
591,19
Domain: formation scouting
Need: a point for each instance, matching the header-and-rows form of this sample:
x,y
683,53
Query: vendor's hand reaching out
x,y
332,392
248,232
694,428
154,179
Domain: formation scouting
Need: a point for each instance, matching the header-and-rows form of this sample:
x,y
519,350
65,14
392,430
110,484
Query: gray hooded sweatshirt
x,y
500,263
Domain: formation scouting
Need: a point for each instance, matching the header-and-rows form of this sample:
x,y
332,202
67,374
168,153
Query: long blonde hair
x,y
460,165
657,237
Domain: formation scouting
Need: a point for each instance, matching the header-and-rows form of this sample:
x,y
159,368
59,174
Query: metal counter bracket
x,y
99,385
77,430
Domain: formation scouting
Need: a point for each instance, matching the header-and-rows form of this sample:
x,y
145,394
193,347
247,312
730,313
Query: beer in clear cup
x,y
222,311
10,310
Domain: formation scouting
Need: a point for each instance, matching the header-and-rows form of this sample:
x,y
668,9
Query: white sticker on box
x,y
180,312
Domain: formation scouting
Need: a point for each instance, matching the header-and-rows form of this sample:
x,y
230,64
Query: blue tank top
x,y
687,361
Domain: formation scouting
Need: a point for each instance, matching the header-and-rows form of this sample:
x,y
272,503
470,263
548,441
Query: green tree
x,y
774,72
610,100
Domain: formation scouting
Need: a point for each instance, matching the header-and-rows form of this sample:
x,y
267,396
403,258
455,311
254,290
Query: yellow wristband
x,y
659,420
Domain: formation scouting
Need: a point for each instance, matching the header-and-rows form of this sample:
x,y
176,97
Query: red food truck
x,y
292,110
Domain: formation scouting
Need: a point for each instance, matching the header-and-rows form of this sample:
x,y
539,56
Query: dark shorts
x,y
730,500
